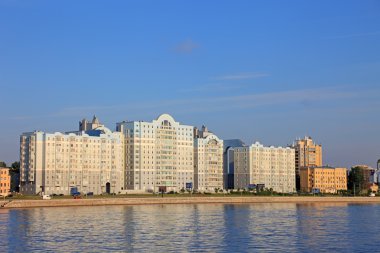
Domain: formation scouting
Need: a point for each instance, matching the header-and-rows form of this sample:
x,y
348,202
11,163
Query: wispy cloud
x,y
214,104
218,87
186,46
354,35
242,76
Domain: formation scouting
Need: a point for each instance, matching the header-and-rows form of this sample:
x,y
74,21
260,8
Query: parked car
x,y
90,194
46,197
73,191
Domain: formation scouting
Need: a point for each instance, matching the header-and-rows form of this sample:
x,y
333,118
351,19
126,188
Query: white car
x,y
46,197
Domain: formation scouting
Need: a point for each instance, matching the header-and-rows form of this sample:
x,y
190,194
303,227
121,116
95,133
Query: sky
x,y
269,71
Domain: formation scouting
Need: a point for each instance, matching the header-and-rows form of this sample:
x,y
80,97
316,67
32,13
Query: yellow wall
x,y
308,154
327,180
5,181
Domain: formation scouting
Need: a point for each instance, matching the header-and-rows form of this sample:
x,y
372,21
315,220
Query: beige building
x,y
208,161
308,154
272,166
5,181
323,179
91,161
159,154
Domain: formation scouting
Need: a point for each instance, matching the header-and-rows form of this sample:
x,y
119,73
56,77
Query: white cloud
x,y
186,46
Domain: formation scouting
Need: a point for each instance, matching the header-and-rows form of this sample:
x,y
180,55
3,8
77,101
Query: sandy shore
x,y
181,200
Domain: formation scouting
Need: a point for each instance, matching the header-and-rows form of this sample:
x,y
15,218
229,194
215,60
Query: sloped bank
x,y
183,200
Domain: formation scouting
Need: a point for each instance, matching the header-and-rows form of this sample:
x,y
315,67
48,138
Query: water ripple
x,y
193,228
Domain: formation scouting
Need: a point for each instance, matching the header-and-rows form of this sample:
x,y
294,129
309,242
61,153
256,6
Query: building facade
x,y
159,155
323,179
208,161
228,161
273,167
5,181
54,163
308,154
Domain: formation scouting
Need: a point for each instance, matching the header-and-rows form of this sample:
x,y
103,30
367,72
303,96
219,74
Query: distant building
x,y
208,160
159,155
323,179
85,125
5,181
376,176
308,154
89,161
228,161
273,167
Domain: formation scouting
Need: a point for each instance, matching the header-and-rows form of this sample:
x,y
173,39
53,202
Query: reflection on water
x,y
183,228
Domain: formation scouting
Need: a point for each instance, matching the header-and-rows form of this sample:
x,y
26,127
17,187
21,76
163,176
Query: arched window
x,y
165,123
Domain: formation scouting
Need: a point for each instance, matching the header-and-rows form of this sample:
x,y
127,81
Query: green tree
x,y
16,167
356,182
14,172
3,164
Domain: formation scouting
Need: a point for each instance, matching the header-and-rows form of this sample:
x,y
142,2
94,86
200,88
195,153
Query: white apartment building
x,y
208,161
53,163
272,166
159,155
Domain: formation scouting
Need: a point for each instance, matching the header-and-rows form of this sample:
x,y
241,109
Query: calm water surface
x,y
194,228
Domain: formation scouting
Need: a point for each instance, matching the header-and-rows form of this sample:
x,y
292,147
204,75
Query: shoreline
x,y
15,204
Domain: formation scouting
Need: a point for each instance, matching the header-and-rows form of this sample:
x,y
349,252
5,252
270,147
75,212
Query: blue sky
x,y
270,71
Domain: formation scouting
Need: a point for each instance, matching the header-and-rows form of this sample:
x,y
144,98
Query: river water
x,y
193,228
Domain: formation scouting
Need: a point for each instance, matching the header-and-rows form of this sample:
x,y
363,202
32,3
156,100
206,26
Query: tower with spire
x,y
85,125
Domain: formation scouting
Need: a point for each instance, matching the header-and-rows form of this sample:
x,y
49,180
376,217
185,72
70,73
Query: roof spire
x,y
95,120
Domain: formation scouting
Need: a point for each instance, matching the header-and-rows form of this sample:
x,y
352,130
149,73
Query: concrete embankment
x,y
183,200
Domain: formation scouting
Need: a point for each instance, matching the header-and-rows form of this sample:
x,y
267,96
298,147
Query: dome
x,y
103,130
165,116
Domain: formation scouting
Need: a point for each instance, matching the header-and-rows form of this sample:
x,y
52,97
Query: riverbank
x,y
182,200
